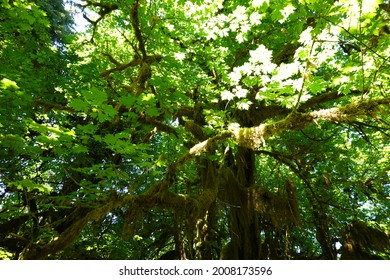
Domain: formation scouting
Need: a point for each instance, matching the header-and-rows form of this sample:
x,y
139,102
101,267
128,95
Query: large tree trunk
x,y
243,219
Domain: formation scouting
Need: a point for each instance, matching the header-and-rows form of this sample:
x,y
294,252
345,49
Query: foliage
x,y
195,130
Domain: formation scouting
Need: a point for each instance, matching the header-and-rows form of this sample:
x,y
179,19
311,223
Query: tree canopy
x,y
171,129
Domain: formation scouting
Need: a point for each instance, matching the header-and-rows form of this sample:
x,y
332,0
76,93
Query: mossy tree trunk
x,y
243,220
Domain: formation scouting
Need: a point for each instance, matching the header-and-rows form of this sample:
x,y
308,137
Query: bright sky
x,y
80,21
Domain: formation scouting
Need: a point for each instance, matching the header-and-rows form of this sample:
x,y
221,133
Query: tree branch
x,y
136,27
254,137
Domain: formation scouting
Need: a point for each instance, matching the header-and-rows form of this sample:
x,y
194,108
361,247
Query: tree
x,y
198,130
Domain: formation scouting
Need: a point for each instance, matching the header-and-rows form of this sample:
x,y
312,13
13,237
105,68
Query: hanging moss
x,y
279,209
360,239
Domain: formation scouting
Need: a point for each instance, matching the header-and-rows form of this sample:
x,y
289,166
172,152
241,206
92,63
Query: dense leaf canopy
x,y
195,129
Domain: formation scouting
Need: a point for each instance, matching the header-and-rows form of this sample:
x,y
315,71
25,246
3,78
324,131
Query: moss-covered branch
x,y
254,137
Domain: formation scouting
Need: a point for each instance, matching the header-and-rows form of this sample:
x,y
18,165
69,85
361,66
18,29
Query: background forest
x,y
171,129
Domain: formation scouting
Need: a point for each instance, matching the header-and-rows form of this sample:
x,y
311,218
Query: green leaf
x,y
317,84
29,185
95,96
79,105
152,112
128,100
8,84
106,113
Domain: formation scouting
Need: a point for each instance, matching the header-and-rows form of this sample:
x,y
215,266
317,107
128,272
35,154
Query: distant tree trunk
x,y
205,235
321,222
